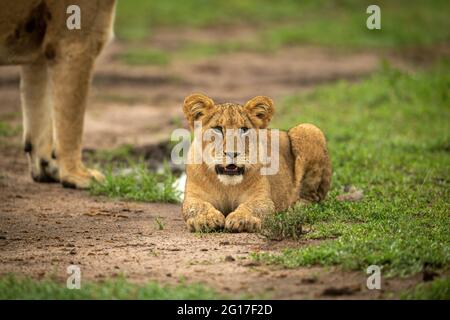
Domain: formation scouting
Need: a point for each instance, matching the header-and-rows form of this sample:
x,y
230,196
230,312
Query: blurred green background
x,y
327,22
274,24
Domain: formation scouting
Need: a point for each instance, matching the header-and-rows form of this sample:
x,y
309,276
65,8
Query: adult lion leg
x,y
71,76
312,163
37,121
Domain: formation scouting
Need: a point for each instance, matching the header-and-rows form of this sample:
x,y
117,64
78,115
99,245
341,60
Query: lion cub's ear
x,y
195,107
261,110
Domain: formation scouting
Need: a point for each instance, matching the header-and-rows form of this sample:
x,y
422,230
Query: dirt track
x,y
44,228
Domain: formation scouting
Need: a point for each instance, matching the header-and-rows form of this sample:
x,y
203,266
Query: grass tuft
x,y
284,225
160,223
137,183
437,290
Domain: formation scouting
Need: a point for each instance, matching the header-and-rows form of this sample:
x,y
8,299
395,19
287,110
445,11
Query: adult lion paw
x,y
205,222
42,164
43,170
242,222
81,178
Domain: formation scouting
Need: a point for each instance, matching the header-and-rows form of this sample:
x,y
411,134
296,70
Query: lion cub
x,y
234,187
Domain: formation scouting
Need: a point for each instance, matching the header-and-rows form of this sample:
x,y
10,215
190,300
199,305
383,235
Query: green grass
x,y
287,22
160,223
6,130
388,135
284,225
145,57
14,287
136,19
137,55
135,182
437,290
403,24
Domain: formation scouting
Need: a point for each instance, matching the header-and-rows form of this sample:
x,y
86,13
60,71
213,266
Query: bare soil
x,y
44,228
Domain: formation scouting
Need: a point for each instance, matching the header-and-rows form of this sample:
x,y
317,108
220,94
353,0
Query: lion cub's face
x,y
230,134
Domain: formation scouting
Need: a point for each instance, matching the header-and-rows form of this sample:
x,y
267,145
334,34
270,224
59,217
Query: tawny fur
x,y
57,65
304,170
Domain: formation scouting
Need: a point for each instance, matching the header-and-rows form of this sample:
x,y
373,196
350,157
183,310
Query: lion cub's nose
x,y
232,155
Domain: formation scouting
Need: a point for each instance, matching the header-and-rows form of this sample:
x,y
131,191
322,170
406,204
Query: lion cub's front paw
x,y
205,222
242,222
81,178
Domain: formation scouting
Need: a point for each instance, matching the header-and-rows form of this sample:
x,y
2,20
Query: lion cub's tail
x,y
312,169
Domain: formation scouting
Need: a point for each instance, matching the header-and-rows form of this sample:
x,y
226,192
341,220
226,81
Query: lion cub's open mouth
x,y
229,170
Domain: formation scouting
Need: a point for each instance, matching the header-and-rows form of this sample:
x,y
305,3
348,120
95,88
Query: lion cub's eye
x,y
218,129
243,130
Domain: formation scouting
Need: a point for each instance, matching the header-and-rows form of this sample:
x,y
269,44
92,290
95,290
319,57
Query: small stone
x,y
251,264
229,259
340,291
309,280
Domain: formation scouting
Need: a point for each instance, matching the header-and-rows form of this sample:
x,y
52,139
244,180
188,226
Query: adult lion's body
x,y
56,68
232,192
